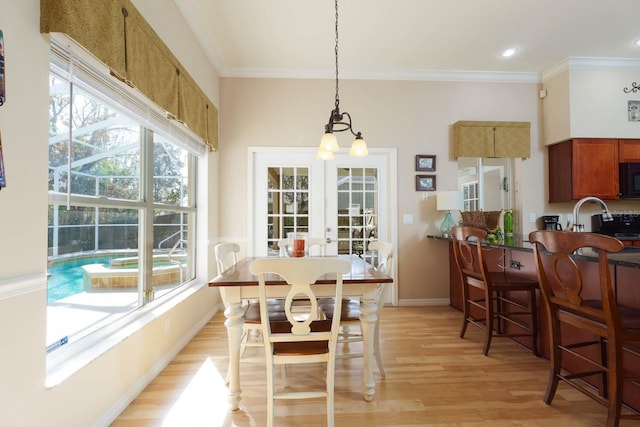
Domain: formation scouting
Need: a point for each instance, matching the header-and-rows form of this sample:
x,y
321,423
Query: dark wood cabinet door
x,y
584,167
629,150
595,168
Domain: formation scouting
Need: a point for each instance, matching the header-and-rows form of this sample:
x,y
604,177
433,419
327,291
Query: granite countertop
x,y
629,257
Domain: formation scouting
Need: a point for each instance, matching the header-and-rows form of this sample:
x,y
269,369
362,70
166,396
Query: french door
x,y
346,201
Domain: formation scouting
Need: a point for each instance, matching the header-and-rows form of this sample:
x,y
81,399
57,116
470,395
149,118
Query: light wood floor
x,y
434,378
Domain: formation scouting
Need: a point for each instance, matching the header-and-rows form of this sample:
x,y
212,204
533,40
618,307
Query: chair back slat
x,y
469,256
562,280
303,313
226,255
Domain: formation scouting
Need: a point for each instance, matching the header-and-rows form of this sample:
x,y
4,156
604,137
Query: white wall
x,y
99,390
586,99
599,103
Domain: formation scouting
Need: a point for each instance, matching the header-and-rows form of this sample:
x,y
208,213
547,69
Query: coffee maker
x,y
551,222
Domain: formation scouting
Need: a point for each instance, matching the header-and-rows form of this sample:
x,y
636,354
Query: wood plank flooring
x,y
434,378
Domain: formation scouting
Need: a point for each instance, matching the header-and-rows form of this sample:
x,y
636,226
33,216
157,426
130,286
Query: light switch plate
x,y
407,219
532,218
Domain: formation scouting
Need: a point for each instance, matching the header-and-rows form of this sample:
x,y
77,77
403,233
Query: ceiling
x,y
411,39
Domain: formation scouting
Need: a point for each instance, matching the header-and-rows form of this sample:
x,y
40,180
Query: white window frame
x,y
80,67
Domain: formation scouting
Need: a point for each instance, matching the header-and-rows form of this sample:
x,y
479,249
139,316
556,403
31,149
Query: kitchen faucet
x,y
606,215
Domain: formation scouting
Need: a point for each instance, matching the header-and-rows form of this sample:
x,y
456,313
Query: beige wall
x,y
96,393
414,117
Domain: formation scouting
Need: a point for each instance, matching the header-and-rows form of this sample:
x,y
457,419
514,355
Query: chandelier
x,y
339,122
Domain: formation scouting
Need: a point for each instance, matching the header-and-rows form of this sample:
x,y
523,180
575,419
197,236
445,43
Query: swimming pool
x,y
67,277
116,271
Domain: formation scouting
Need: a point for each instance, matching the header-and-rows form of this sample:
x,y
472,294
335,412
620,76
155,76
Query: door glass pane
x,y
357,209
287,204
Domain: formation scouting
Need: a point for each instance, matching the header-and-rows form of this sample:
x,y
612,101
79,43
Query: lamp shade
x,y
358,148
449,200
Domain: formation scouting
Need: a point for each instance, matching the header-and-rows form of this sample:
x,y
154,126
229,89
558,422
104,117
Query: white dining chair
x,y
226,257
317,246
350,330
306,336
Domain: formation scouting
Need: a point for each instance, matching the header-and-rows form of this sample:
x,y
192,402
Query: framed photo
x,y
634,111
425,163
2,93
425,183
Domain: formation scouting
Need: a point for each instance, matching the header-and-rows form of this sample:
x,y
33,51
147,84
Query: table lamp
x,y
447,201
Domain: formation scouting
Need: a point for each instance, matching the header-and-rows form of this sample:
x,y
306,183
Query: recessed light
x,y
637,42
508,52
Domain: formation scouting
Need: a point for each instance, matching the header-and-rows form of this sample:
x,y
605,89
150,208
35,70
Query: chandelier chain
x,y
336,52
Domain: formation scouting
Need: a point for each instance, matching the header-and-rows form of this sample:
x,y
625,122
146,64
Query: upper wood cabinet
x,y
629,150
584,167
492,139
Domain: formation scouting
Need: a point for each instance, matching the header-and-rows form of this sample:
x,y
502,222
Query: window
x,y
122,207
470,196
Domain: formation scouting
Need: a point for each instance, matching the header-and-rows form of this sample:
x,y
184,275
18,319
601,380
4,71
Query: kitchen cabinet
x,y
584,167
492,139
629,150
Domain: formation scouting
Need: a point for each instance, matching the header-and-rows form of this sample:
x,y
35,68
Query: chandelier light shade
x,y
339,122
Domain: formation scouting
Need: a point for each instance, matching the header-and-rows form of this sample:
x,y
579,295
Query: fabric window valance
x,y
116,33
492,139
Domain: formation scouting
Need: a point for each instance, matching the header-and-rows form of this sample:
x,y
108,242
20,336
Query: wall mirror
x,y
486,183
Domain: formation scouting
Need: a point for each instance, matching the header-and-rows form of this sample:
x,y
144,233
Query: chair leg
x,y
533,304
603,387
489,314
283,372
556,360
465,312
270,394
376,348
330,383
614,385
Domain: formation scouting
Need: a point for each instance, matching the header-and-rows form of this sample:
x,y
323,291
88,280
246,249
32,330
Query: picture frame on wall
x,y
425,183
634,111
425,163
2,86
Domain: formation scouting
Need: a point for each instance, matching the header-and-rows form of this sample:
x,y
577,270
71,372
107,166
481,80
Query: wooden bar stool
x,y
497,303
607,326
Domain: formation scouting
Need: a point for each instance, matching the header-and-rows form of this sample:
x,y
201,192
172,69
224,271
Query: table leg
x,y
368,318
234,314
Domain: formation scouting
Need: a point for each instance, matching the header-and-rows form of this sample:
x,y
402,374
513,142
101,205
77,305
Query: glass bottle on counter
x,y
508,223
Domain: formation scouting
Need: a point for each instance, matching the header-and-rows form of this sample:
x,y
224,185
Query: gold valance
x,y
116,33
492,139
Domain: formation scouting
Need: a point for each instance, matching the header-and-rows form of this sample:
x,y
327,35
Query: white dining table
x,y
237,284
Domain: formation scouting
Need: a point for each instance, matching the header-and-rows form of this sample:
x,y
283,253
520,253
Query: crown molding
x,y
591,63
412,75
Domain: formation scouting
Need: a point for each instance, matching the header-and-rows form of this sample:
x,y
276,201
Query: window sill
x,y
69,359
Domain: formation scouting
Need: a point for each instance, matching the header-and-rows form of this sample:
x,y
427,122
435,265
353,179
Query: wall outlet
x,y
514,264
